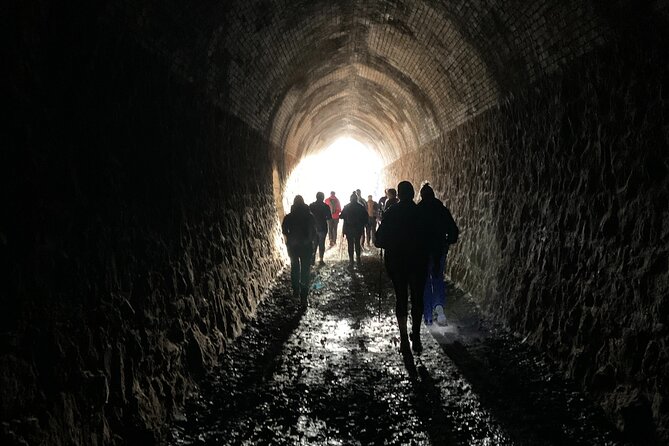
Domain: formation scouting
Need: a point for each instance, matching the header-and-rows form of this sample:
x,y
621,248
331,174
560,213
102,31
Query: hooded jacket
x,y
299,227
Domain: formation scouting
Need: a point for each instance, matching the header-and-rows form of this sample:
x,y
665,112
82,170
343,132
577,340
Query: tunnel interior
x,y
150,146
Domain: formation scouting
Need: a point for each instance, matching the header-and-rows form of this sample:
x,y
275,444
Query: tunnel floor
x,y
332,374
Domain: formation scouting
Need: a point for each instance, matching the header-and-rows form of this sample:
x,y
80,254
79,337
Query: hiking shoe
x,y
441,317
321,263
416,345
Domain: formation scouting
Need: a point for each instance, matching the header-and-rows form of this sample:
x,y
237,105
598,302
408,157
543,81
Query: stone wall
x,y
137,233
562,196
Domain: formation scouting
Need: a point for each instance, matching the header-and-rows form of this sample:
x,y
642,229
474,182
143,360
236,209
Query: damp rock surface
x,y
331,373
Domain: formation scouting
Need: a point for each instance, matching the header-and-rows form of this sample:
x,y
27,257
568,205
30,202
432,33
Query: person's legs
x,y
314,247
305,270
357,248
372,225
428,294
417,285
438,283
351,240
368,231
332,231
401,304
439,296
321,245
400,285
295,273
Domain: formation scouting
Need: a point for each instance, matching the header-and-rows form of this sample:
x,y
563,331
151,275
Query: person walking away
x,y
299,228
440,231
400,234
391,201
372,213
335,209
382,200
321,213
355,218
363,203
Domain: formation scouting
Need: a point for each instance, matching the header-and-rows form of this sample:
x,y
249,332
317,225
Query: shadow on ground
x,y
332,374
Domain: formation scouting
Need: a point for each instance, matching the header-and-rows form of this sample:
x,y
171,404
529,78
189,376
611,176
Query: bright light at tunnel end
x,y
344,166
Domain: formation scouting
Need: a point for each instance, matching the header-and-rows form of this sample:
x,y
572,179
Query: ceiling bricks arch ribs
x,y
395,74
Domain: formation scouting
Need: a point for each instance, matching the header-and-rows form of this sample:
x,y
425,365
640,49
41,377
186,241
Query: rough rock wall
x,y
137,233
562,196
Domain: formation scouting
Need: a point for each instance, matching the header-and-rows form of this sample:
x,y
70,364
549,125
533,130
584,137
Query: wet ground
x,y
332,374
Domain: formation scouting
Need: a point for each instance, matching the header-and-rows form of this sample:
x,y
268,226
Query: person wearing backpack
x,y
299,229
440,231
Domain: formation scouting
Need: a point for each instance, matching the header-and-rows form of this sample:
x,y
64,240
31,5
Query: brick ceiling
x,y
394,74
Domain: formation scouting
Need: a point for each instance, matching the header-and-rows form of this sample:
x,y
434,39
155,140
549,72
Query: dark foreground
x,y
331,374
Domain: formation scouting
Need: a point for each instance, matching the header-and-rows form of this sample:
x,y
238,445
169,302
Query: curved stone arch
x,y
387,140
369,81
457,61
448,78
332,123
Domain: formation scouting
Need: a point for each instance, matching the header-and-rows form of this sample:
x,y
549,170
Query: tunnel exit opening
x,y
344,166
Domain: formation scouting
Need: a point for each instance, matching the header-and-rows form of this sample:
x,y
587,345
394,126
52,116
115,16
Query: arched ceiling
x,y
394,74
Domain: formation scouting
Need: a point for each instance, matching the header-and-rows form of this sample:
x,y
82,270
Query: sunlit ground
x,y
343,167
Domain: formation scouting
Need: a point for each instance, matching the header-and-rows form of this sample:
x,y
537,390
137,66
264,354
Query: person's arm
x,y
382,235
364,216
452,230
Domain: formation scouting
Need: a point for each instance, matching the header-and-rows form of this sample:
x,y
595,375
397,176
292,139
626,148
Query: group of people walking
x,y
415,238
374,212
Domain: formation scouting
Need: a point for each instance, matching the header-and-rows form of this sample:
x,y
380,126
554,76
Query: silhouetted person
x,y
363,203
321,213
372,214
335,209
382,200
400,235
355,218
391,201
299,227
439,231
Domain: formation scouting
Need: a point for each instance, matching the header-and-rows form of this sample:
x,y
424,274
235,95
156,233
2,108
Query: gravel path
x,y
332,374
